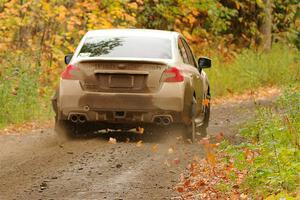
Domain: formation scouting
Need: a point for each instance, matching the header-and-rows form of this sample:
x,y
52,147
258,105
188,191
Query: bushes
x,y
22,97
274,141
264,164
251,69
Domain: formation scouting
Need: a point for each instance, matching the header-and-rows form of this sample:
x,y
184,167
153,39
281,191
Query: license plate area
x,y
121,81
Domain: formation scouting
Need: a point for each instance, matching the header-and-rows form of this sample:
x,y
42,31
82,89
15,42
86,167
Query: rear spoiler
x,y
127,60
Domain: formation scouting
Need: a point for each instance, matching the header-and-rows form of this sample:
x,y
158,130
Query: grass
x,y
22,97
274,138
251,70
25,95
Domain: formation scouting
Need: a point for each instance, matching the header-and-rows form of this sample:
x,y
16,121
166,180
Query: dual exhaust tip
x,y
75,118
163,120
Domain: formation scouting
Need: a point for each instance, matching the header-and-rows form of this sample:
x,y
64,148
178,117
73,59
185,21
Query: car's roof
x,y
132,32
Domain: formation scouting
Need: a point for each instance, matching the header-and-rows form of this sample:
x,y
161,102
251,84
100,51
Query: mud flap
x,y
193,110
54,102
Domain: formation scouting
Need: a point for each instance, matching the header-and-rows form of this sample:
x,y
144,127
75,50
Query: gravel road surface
x,y
39,165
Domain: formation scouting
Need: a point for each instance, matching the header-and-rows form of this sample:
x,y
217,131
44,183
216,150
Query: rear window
x,y
133,47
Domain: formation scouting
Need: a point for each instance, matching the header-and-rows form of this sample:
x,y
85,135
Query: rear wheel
x,y
190,131
193,131
203,128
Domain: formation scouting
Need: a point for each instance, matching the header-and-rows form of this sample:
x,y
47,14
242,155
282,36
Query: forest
x,y
36,34
257,41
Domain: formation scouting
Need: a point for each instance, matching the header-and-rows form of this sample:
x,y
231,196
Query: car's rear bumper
x,y
137,107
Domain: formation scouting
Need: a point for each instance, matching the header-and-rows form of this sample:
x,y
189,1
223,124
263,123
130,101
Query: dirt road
x,y
38,165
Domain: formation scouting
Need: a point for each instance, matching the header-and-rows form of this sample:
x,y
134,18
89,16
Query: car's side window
x,y
189,53
183,52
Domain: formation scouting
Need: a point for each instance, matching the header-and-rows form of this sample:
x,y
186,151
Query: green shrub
x,y
251,70
275,137
22,98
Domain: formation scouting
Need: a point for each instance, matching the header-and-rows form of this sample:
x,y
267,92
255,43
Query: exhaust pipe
x,y
163,120
158,120
166,121
81,119
74,118
77,117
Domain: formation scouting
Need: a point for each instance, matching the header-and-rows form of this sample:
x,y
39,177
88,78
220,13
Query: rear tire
x,y
203,131
190,131
203,128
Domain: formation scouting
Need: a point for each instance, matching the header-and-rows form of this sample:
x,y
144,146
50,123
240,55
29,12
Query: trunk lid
x,y
128,76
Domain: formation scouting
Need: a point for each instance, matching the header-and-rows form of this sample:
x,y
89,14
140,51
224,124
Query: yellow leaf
x,y
170,150
154,147
133,5
260,3
211,158
205,102
195,12
140,130
191,19
187,35
139,143
237,5
112,140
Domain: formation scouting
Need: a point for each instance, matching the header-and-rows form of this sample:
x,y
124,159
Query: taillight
x,y
67,73
173,74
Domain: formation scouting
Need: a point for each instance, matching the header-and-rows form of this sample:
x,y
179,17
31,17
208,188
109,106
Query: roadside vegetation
x,y
252,69
22,95
265,165
271,154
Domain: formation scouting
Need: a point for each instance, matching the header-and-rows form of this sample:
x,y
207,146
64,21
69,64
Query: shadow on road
x,y
158,135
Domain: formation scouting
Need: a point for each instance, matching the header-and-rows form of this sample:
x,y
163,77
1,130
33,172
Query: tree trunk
x,y
266,26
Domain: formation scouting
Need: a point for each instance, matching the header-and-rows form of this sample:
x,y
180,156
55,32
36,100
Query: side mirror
x,y
68,58
204,62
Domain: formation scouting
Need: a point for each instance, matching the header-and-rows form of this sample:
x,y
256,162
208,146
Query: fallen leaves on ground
x,y
154,147
209,178
176,161
179,138
258,94
189,141
170,150
139,143
18,129
112,141
167,163
219,137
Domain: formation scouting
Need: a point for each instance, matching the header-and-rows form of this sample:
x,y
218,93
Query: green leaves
x,y
260,3
276,164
